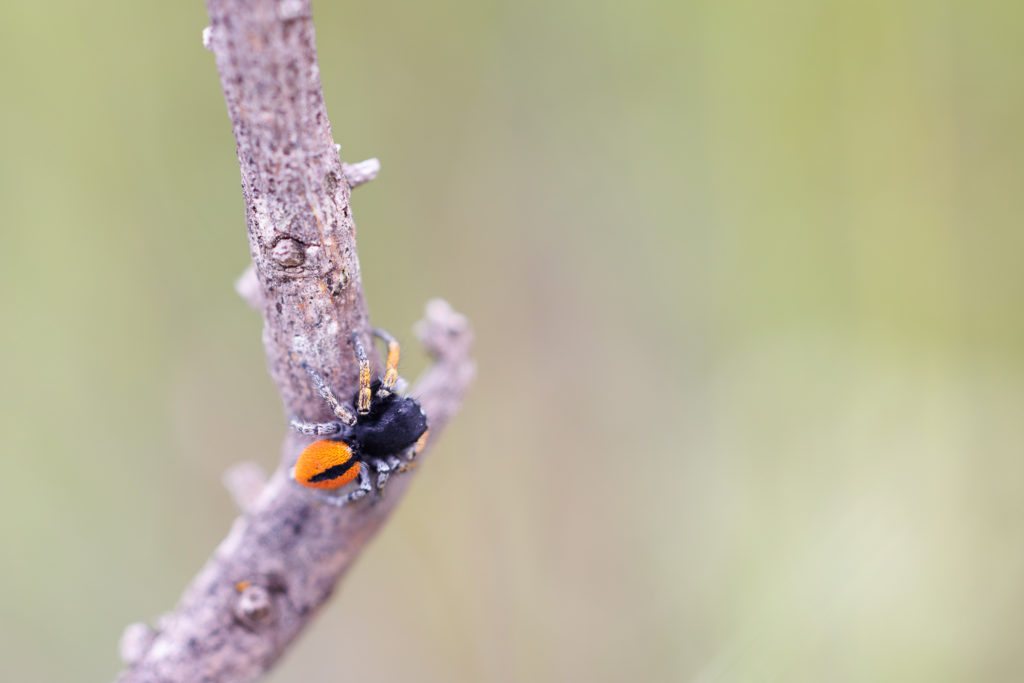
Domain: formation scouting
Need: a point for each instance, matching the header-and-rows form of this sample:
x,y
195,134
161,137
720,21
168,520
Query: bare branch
x,y
284,556
301,233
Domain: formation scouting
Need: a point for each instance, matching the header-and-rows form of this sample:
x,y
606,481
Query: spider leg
x,y
407,461
363,402
398,464
338,408
316,428
407,465
383,469
387,385
365,487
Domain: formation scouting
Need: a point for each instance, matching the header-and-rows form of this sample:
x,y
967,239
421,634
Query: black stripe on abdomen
x,y
334,471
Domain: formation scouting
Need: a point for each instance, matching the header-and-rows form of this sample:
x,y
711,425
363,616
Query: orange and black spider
x,y
381,431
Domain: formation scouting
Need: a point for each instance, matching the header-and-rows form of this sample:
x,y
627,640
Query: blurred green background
x,y
747,288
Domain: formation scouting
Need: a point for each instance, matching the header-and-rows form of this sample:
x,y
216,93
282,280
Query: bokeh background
x,y
746,279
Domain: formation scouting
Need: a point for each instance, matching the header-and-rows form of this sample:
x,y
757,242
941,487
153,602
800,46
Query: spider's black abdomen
x,y
392,425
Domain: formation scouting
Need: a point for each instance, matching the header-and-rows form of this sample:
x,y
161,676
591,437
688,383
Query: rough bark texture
x,y
283,557
301,232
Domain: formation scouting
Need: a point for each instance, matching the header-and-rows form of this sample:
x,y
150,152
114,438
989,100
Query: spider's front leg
x,y
342,411
387,384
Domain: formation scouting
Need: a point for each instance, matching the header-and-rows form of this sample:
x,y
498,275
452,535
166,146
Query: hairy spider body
x,y
384,434
393,424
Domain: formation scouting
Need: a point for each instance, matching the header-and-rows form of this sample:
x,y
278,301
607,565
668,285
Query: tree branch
x,y
283,557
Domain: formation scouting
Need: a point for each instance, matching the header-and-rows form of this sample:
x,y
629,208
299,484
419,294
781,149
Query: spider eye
x,y
326,464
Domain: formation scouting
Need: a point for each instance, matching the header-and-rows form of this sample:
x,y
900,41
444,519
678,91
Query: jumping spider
x,y
381,431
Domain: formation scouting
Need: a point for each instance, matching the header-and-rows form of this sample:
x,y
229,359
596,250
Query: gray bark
x,y
284,556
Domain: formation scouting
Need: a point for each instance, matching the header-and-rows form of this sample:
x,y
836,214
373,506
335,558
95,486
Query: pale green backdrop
x,y
747,283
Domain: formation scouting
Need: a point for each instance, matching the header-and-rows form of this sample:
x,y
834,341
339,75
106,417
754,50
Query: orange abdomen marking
x,y
326,465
